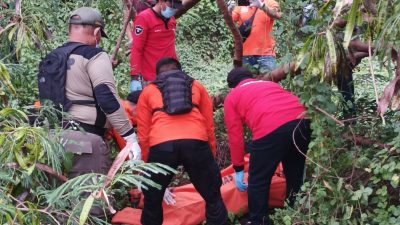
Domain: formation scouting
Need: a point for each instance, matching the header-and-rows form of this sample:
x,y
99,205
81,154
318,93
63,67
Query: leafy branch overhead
x,y
37,160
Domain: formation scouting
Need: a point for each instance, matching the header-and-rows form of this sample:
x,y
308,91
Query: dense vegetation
x,y
353,167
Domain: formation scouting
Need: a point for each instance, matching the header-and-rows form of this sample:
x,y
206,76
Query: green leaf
x,y
20,137
10,112
332,50
5,78
395,181
303,53
12,32
2,139
85,210
351,21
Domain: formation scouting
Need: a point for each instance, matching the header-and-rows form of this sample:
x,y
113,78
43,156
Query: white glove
x,y
134,148
231,5
256,3
169,197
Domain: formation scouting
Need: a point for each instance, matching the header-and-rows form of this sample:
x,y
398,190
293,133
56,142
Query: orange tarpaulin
x,y
190,207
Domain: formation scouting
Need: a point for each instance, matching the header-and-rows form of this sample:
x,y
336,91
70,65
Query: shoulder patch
x,y
138,30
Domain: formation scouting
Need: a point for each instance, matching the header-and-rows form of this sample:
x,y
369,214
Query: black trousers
x,y
196,157
265,155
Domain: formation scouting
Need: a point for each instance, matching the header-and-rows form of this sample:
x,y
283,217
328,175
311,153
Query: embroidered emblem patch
x,y
138,30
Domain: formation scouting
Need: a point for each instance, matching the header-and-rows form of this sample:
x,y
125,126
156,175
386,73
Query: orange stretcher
x,y
189,208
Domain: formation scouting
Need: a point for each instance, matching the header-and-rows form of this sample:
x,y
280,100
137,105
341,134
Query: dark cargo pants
x,y
91,152
91,155
196,157
265,155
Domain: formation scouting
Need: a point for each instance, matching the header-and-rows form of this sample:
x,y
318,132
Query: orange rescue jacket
x,y
155,127
260,41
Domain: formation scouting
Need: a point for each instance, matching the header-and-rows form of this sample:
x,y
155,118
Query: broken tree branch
x,y
237,58
44,168
280,73
363,141
131,10
329,115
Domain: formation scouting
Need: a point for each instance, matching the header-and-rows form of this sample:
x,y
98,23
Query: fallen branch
x,y
117,163
237,58
363,141
24,208
131,10
358,46
280,73
43,168
329,115
50,171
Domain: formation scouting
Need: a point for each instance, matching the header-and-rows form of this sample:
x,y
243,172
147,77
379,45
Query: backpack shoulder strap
x,y
162,78
252,17
69,47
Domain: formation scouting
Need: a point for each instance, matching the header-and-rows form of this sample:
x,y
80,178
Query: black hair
x,y
236,75
167,61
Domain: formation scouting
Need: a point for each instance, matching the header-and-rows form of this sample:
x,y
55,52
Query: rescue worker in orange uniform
x,y
172,140
259,47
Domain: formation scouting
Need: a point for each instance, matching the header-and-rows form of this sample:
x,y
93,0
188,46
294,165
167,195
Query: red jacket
x,y
262,106
153,39
158,127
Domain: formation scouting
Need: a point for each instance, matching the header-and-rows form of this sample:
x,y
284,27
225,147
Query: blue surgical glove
x,y
239,181
136,85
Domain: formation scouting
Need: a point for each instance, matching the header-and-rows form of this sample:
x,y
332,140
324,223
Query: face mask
x,y
97,43
168,12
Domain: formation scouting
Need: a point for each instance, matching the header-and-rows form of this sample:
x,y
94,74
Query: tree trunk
x,y
237,58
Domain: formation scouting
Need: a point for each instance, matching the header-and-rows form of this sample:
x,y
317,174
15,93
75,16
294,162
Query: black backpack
x,y
176,90
52,77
